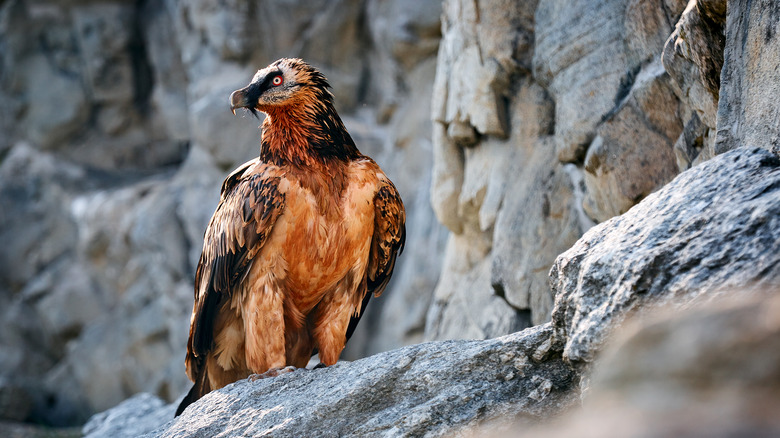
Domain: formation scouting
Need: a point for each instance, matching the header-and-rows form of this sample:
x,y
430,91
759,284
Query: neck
x,y
307,133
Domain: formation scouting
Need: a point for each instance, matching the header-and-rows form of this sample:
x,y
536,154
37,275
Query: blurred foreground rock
x,y
712,370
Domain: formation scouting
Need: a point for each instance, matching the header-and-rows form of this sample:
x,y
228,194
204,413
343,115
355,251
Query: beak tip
x,y
236,101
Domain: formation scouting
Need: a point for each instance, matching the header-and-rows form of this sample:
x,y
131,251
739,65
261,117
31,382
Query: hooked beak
x,y
238,100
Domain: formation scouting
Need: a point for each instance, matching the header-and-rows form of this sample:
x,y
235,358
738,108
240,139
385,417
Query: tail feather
x,y
198,390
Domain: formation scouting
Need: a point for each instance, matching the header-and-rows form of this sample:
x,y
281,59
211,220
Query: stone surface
x,y
431,389
470,94
476,62
27,430
535,224
719,376
693,57
29,195
632,154
689,149
585,80
15,401
748,113
714,226
66,107
103,32
168,99
210,118
124,235
608,84
405,35
492,174
133,417
647,26
328,32
464,306
579,56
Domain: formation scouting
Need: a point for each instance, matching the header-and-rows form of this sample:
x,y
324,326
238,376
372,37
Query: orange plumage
x,y
303,236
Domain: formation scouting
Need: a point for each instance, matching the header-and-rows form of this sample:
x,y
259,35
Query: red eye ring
x,y
276,81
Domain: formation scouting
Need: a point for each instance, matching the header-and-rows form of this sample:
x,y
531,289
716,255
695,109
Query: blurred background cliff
x,y
510,128
116,136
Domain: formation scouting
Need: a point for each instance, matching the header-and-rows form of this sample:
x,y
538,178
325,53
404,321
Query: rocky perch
x,y
695,266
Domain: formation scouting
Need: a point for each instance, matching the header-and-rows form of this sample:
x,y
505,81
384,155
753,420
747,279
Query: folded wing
x,y
249,207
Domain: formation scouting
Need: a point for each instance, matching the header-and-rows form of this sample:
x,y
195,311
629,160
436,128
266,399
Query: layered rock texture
x,y
567,165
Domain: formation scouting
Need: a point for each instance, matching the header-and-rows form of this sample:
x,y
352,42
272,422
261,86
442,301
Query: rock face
x,y
693,56
747,113
492,123
626,93
565,118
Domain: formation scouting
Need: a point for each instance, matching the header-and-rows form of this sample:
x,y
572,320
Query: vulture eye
x,y
276,81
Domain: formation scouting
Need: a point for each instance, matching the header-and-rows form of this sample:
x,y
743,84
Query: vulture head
x,y
285,83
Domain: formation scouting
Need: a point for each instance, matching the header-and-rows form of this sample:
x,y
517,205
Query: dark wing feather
x,y
249,207
355,319
386,244
389,237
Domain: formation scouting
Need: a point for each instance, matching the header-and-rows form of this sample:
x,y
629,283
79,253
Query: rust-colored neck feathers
x,y
306,132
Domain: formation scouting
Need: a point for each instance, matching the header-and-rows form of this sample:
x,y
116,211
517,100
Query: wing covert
x,y
250,204
389,237
387,242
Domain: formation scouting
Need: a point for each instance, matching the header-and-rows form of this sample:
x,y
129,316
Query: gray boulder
x,y
715,225
135,416
431,389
